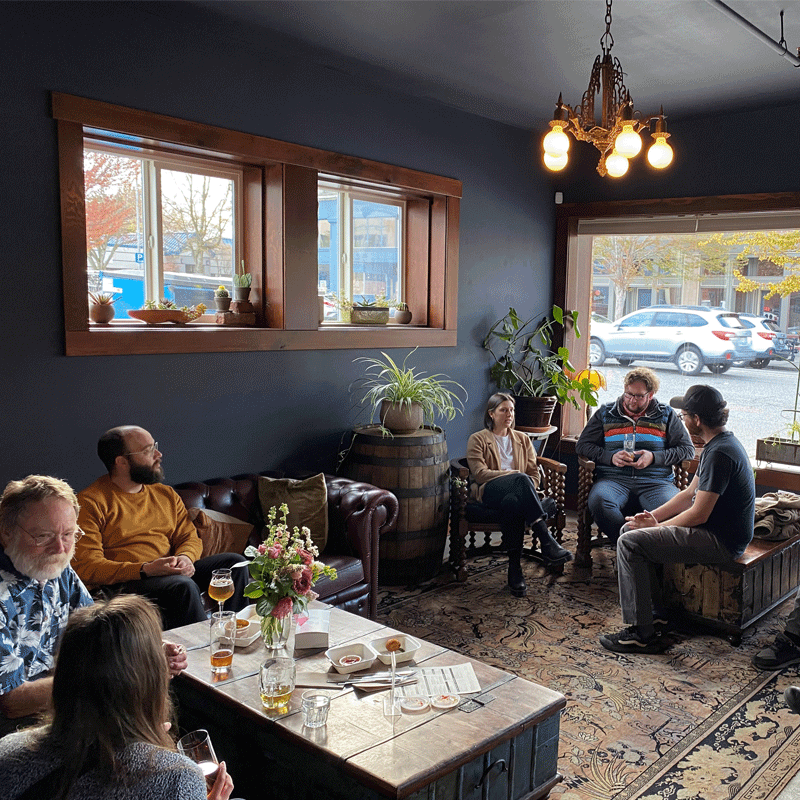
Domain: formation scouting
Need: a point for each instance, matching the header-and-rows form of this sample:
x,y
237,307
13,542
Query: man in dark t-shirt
x,y
709,522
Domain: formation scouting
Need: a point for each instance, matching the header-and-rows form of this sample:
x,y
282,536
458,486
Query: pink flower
x,y
305,557
275,551
262,548
282,608
302,584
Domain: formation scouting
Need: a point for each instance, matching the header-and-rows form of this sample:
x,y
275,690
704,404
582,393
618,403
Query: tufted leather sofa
x,y
358,513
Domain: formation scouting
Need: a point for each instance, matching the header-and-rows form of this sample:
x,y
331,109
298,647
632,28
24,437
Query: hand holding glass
x,y
630,442
222,639
197,747
221,586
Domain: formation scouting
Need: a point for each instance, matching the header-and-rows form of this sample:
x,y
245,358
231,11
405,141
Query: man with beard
x,y
709,522
626,482
138,536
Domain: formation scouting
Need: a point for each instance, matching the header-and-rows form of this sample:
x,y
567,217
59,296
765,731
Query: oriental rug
x,y
698,722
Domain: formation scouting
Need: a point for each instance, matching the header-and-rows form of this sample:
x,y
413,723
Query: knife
x,y
371,678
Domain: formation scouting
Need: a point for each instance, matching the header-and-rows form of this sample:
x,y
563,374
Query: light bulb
x,y
628,143
556,143
660,154
555,163
616,165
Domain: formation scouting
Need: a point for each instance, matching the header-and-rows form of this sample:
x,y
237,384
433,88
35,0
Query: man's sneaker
x,y
783,652
631,641
660,620
792,697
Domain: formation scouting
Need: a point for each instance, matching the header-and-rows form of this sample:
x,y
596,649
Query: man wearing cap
x,y
709,522
627,482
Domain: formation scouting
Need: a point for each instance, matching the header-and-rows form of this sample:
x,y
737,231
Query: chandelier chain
x,y
607,39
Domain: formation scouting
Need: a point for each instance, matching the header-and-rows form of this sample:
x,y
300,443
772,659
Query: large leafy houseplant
x,y
525,363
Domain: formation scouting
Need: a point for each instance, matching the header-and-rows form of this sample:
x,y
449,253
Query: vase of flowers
x,y
283,569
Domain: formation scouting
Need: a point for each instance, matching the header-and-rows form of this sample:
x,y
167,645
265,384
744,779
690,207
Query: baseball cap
x,y
700,399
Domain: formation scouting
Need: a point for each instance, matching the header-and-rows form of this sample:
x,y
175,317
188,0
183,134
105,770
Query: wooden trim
x,y
255,223
450,266
202,138
418,258
438,263
273,246
230,340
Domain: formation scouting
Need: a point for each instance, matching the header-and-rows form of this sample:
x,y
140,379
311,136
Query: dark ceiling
x,y
508,61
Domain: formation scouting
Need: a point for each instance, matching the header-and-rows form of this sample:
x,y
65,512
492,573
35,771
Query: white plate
x,y
363,651
445,701
414,704
409,648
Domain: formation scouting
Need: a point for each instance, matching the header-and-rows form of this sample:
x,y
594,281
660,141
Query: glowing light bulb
x,y
556,143
616,165
628,143
660,154
555,163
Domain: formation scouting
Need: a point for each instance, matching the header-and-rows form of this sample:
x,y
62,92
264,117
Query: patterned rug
x,y
695,723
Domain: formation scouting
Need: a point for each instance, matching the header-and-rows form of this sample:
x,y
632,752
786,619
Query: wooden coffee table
x,y
505,746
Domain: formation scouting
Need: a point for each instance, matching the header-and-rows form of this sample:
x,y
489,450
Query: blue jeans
x,y
612,499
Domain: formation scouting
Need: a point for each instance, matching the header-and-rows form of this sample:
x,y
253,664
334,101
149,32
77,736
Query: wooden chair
x,y
468,518
683,473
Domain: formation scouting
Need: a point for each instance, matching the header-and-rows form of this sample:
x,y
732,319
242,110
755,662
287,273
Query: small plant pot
x,y
402,317
241,293
222,303
369,315
102,313
401,419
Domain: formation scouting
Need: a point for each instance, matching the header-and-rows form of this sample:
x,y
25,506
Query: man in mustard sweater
x,y
138,536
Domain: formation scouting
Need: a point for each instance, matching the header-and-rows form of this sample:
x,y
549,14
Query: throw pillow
x,y
220,533
307,501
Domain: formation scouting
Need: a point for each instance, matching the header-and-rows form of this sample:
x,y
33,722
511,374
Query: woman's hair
x,y
494,401
110,686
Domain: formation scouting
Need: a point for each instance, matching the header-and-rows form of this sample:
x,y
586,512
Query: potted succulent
x,y
402,315
101,308
783,446
362,311
402,399
222,299
525,365
242,282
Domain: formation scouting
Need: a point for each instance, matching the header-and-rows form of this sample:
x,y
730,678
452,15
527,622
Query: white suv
x,y
689,336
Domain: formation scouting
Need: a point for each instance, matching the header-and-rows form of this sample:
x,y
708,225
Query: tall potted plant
x,y
525,365
783,446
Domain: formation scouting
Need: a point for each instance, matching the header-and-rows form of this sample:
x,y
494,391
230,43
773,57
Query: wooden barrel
x,y
415,468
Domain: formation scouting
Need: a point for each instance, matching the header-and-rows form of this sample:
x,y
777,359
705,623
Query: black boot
x,y
552,552
516,583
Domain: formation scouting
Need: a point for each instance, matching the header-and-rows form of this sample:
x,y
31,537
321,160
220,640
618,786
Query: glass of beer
x,y
277,684
197,747
222,638
221,586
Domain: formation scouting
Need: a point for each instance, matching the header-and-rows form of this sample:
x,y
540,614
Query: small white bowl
x,y
408,644
247,635
363,651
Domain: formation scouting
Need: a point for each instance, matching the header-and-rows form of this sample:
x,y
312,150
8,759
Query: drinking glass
x,y
197,747
315,709
221,586
276,682
630,442
222,639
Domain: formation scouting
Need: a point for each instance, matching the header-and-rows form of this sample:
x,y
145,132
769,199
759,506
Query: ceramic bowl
x,y
364,652
409,646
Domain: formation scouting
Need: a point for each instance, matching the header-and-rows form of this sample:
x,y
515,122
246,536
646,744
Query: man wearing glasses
x,y
639,479
138,536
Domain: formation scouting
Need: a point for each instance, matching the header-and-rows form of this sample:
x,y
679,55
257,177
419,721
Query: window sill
x,y
193,338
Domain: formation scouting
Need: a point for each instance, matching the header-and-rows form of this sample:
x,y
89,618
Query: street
x,y
756,397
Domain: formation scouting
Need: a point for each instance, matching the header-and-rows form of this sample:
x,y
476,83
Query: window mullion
x,y
152,230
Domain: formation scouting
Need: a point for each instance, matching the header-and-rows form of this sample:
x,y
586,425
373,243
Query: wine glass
x,y
197,747
221,586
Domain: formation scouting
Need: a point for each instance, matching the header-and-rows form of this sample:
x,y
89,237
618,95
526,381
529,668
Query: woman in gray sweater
x,y
108,739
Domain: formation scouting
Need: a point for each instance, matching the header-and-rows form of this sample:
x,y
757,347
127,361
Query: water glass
x,y
630,442
276,683
197,747
315,709
222,639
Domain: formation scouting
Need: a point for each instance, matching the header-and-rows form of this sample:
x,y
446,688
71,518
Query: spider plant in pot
x,y
402,399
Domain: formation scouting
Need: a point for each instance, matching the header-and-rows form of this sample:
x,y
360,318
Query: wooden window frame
x,y
280,239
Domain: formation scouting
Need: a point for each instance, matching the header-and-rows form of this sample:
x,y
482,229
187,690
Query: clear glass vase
x,y
275,632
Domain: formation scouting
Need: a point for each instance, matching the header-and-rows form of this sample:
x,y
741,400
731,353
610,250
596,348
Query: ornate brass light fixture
x,y
617,137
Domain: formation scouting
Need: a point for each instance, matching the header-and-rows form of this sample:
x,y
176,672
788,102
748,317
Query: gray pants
x,y
793,620
638,551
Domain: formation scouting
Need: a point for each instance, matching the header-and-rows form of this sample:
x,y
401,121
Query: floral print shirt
x,y
32,616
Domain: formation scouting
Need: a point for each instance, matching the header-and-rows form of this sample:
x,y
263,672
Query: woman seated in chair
x,y
111,710
503,466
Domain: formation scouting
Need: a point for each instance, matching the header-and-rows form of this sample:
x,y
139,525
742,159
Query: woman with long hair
x,y
505,476
111,715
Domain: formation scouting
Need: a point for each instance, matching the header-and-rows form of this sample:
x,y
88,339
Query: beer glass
x,y
222,639
221,586
197,747
630,442
276,682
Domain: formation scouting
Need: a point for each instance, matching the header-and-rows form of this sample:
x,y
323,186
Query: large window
x,y
154,207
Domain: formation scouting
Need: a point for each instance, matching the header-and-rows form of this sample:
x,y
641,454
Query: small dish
x,y
408,648
445,701
247,635
365,653
156,316
415,704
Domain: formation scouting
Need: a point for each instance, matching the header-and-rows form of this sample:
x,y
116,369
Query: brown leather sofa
x,y
358,514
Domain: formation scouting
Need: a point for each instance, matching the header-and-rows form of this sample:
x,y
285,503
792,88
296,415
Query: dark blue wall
x,y
216,414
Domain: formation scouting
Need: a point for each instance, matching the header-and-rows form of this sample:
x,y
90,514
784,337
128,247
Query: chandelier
x,y
617,137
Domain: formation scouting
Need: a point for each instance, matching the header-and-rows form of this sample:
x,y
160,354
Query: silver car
x,y
692,337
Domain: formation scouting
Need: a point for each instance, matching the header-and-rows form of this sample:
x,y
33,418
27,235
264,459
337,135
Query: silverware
x,y
373,676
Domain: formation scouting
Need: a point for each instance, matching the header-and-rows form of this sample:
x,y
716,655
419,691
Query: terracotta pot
x,y
222,303
241,293
101,313
402,317
401,419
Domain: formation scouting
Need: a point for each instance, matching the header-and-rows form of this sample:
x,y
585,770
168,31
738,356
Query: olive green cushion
x,y
307,501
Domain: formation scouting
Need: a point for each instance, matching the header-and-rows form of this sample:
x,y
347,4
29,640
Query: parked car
x,y
768,341
692,337
599,323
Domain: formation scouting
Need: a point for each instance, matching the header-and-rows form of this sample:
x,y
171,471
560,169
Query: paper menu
x,y
432,681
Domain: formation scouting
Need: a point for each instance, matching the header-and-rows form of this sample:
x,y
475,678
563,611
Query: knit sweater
x,y
153,773
123,531
483,458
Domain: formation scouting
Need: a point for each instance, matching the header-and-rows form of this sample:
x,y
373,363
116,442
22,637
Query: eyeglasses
x,y
636,396
683,416
46,538
149,450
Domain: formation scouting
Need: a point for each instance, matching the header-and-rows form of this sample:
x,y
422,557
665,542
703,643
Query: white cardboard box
x,y
313,630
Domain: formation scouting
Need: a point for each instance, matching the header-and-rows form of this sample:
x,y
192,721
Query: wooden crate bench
x,y
764,576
